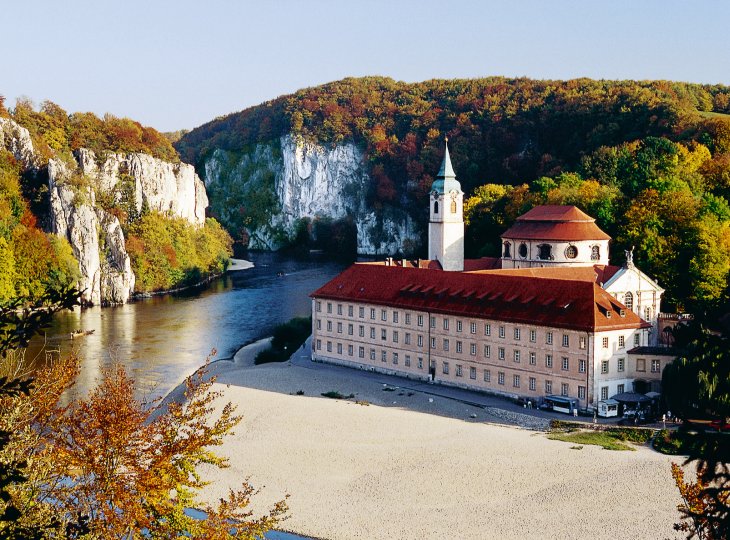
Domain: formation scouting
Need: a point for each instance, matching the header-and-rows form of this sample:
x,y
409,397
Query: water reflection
x,y
163,339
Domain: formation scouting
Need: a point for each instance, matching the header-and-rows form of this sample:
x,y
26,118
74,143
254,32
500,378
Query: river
x,y
161,340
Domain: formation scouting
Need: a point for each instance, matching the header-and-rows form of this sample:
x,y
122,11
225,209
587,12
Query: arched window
x,y
453,206
595,253
629,300
523,250
507,252
546,252
571,252
435,207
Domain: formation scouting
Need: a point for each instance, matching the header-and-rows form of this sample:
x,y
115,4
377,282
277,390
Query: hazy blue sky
x,y
178,64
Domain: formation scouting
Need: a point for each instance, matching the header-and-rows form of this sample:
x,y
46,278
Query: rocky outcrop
x,y
310,181
16,139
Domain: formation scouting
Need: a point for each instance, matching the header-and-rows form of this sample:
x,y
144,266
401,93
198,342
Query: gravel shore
x,y
393,463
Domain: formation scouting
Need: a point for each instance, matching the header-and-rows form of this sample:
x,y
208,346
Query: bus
x,y
563,404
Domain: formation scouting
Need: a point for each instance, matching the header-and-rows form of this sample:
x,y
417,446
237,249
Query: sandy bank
x,y
388,470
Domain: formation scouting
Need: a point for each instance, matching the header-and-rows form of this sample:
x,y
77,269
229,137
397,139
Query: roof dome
x,y
557,223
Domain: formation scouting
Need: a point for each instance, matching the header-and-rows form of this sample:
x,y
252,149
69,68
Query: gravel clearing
x,y
390,471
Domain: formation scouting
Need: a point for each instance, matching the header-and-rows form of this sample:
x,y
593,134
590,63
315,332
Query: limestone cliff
x,y
295,179
96,236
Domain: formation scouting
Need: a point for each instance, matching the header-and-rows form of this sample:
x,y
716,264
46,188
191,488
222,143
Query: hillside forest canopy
x,y
166,251
650,160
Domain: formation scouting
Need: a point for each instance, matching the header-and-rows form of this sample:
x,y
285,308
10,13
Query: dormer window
x,y
546,252
507,250
595,253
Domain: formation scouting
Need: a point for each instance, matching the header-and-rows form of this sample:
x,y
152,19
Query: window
x,y
487,329
350,329
420,320
420,362
458,346
361,352
361,312
329,326
339,327
605,343
548,387
533,358
319,344
637,340
319,306
473,349
629,300
620,388
361,331
487,351
595,253
383,334
383,315
372,354
571,252
640,364
647,313
548,360
581,392
395,317
582,343
319,324
655,366
408,318
472,373
533,336
395,357
604,392
533,383
473,328
458,326
620,364
433,342
446,368
395,336
500,377
372,313
372,333
523,250
582,365
329,307
350,311
565,363
518,334
564,389
604,366
446,344
516,355
433,322
420,340
453,206
408,360
329,346
407,339
549,338
487,375
501,331
435,207
350,349
545,252
501,353
516,381
446,323
621,342
566,340
458,370
383,356
507,250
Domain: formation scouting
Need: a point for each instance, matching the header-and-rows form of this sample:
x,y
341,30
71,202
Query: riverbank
x,y
396,463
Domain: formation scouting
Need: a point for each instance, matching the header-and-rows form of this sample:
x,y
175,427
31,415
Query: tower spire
x,y
446,170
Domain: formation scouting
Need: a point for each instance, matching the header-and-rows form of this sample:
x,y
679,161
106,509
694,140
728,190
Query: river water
x,y
163,339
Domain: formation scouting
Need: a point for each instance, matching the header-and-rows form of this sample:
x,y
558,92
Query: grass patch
x,y
598,438
332,394
288,337
674,443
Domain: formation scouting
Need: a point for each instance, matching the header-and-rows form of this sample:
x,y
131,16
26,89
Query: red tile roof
x,y
470,265
598,273
560,303
558,223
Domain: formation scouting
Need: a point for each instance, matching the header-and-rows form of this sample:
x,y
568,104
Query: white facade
x,y
446,230
519,253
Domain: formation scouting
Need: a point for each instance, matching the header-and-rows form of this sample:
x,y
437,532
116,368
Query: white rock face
x,y
313,180
16,139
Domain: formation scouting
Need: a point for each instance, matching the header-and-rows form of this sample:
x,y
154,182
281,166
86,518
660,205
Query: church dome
x,y
556,223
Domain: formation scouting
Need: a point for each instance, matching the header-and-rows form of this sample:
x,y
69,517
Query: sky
x,y
178,64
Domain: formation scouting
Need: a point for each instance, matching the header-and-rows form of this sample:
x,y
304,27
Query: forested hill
x,y
649,159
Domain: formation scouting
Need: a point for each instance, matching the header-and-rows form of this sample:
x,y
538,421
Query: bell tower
x,y
446,223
